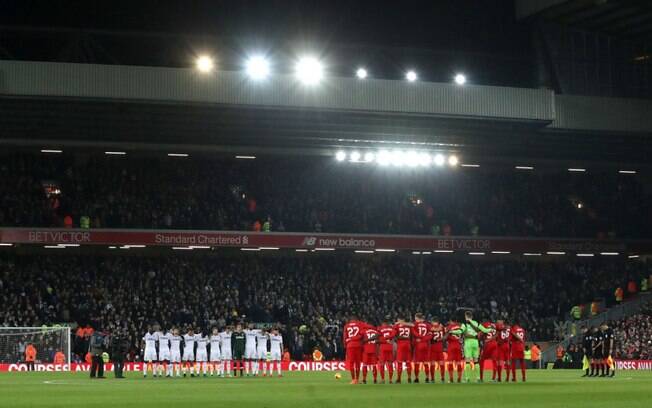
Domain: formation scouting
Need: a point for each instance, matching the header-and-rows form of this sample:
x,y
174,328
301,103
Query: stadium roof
x,y
87,104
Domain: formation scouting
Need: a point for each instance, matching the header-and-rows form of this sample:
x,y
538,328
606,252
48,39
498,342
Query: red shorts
x,y
353,355
387,355
403,353
421,354
518,352
369,358
455,354
502,353
489,351
436,352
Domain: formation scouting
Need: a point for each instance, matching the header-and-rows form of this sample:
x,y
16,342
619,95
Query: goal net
x,y
47,341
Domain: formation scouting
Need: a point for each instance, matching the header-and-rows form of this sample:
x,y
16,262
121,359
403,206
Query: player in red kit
x,y
403,349
421,339
370,353
386,349
436,355
489,349
518,349
502,352
353,334
454,350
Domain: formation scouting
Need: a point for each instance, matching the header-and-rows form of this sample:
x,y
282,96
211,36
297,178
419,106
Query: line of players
x,y
598,346
413,346
222,353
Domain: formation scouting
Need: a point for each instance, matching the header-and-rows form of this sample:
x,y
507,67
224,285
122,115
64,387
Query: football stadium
x,y
306,203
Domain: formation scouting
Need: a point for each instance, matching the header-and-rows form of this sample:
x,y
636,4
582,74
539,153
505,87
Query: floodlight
x,y
460,79
369,157
309,70
384,158
412,159
439,159
361,73
355,156
340,156
204,64
398,158
453,160
257,67
411,76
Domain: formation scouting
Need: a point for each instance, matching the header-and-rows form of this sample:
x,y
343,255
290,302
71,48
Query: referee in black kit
x,y
587,348
607,340
119,348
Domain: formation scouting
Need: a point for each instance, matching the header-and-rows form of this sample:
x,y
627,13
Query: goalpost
x,y
47,341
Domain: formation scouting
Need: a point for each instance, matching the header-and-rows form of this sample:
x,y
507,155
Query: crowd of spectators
x,y
317,194
633,336
126,292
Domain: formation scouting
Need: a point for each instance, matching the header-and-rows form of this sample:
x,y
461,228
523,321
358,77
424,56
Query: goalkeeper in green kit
x,y
470,329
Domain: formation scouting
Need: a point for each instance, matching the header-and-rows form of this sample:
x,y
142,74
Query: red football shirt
x,y
503,335
421,334
453,340
517,336
371,336
437,333
488,337
386,339
403,334
353,333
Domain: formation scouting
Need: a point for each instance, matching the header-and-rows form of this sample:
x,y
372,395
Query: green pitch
x,y
547,389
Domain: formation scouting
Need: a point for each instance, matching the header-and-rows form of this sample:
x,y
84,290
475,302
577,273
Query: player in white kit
x,y
225,349
175,353
149,358
215,358
188,358
202,353
164,353
276,350
250,348
261,352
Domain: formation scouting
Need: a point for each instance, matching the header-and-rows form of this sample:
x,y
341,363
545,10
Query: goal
x,y
47,341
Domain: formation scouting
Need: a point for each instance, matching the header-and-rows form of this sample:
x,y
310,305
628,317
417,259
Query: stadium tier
x,y
318,194
310,295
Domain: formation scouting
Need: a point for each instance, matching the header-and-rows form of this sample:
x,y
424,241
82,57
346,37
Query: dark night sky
x,y
456,34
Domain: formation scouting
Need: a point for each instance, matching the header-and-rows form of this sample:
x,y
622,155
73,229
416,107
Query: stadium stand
x,y
317,194
633,336
129,291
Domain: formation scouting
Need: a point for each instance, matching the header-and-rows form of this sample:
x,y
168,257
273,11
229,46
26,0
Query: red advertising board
x,y
316,241
138,367
644,365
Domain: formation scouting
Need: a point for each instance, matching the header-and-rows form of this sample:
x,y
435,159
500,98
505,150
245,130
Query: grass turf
x,y
545,388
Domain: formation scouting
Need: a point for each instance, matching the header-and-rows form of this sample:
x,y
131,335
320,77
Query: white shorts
x,y
226,354
150,355
175,356
188,356
164,355
250,353
202,356
276,355
261,354
215,356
